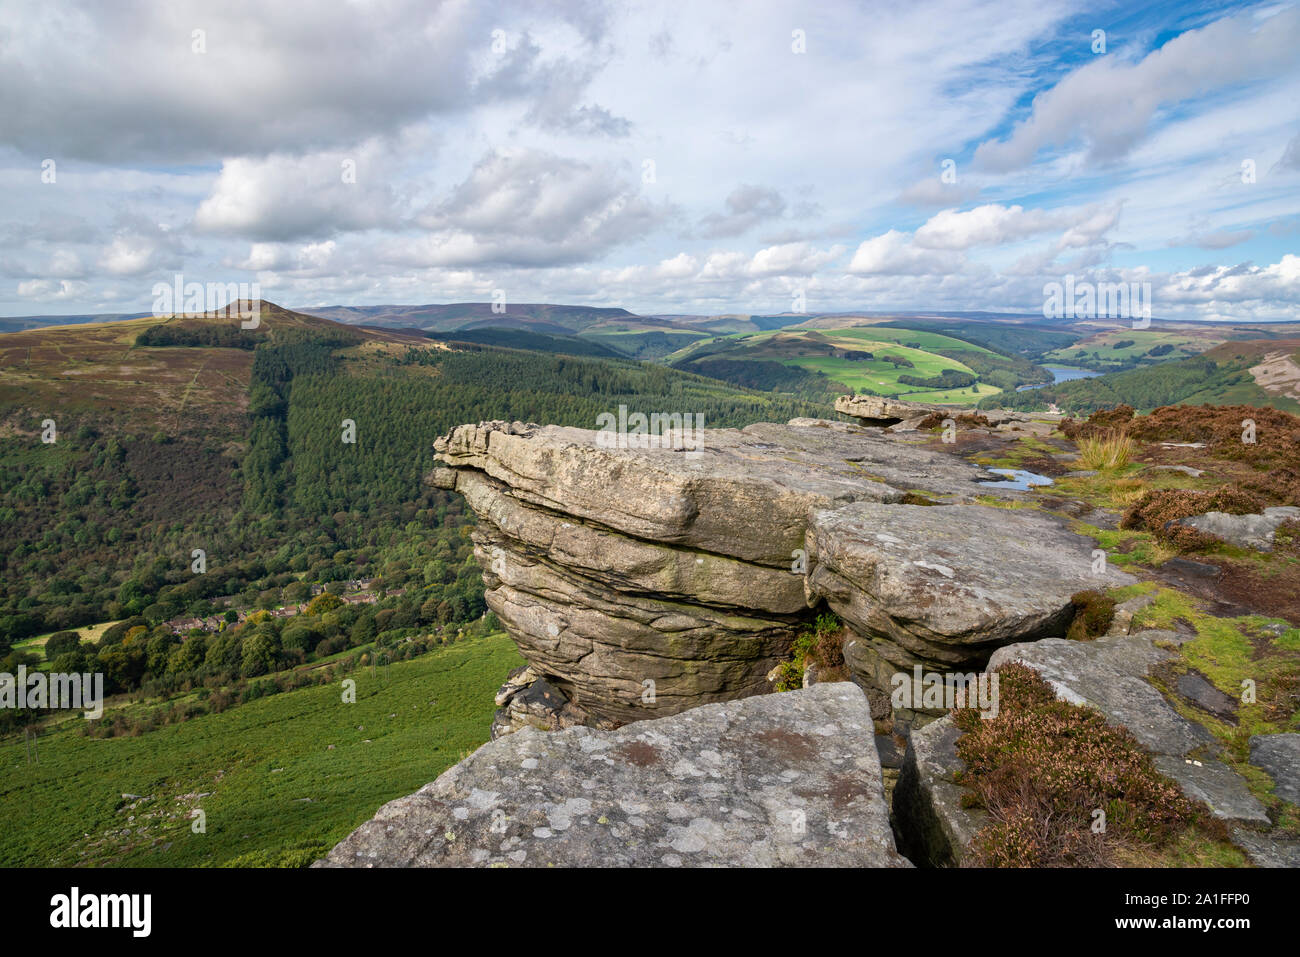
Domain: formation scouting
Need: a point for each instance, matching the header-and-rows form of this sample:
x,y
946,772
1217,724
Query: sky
x,y
696,158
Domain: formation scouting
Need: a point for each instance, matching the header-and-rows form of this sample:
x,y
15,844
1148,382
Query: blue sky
x,y
660,157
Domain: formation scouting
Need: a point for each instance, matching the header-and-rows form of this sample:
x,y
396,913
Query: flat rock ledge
x,y
880,410
788,779
643,578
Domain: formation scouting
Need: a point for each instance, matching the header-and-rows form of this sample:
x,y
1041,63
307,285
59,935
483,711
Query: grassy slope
x,y
1103,343
65,810
875,375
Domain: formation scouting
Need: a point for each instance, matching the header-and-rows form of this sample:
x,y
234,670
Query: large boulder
x,y
882,410
780,780
644,577
1245,531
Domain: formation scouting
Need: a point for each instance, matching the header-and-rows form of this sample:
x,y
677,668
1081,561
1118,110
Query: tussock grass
x,y
1106,452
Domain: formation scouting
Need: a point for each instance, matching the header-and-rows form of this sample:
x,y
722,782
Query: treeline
x,y
767,375
1027,340
528,340
645,345
1195,379
139,655
947,379
200,334
1005,372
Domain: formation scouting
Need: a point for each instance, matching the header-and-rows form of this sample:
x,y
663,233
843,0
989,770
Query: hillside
x,y
280,778
540,317
878,359
232,441
1253,372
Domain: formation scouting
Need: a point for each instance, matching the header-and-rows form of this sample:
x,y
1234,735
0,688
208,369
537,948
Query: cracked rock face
x,y
645,580
790,779
945,585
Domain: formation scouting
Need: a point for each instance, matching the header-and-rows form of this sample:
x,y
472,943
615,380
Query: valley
x,y
331,552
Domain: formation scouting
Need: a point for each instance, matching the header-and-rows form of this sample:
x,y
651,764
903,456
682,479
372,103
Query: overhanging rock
x,y
644,580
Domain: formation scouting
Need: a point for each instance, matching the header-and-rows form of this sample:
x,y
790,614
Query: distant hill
x,y
20,323
528,340
541,317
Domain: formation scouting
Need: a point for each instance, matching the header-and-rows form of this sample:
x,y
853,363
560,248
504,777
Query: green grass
x,y
867,375
36,643
929,341
1143,341
68,810
1230,651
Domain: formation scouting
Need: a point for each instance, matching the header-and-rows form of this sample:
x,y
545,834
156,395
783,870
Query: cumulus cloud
x,y
994,224
529,207
744,208
139,246
133,81
283,197
983,225
170,159
894,254
49,290
1107,106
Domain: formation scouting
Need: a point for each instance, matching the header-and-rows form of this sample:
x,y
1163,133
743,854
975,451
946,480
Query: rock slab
x,y
1279,756
643,578
1245,531
927,800
778,780
1109,674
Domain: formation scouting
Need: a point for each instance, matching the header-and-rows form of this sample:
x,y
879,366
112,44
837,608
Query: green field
x,y
800,348
279,794
927,359
929,341
1099,352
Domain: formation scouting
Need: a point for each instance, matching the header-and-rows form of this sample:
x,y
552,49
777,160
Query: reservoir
x,y
1062,374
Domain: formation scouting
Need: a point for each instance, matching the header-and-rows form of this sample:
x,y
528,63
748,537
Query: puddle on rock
x,y
1018,479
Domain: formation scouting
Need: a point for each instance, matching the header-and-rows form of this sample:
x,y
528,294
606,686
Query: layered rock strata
x,y
640,581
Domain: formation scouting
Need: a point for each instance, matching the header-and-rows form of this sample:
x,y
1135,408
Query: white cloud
x,y
894,254
1108,105
526,168
528,207
48,290
282,197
